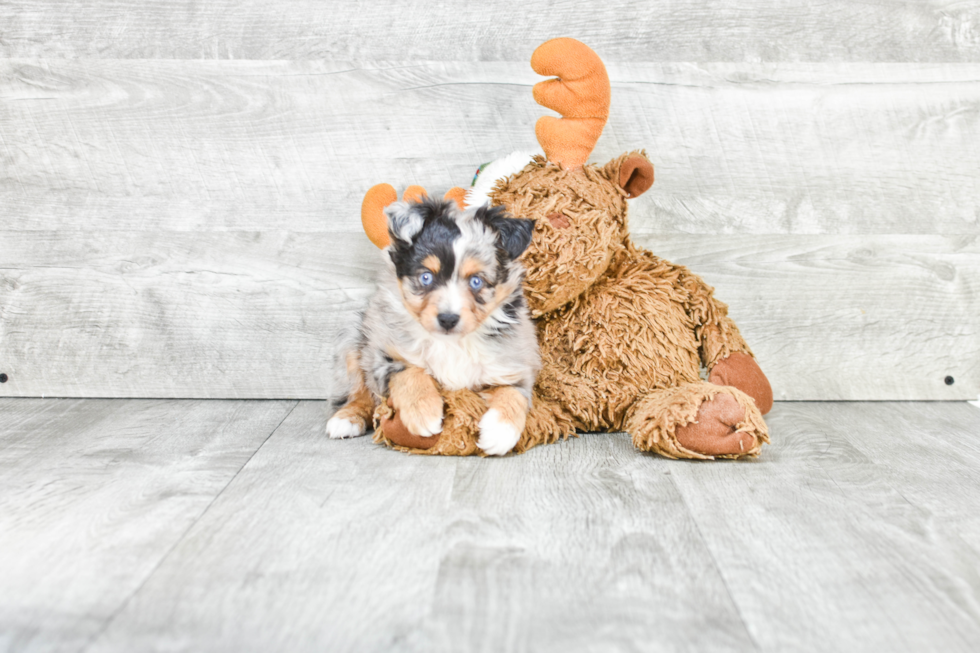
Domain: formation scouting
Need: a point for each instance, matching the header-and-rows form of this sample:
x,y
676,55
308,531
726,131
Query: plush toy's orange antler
x,y
580,94
378,197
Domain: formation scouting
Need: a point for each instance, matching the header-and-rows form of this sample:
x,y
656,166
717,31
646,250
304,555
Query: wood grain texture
x,y
686,30
851,531
848,317
166,314
254,314
738,148
343,545
327,545
94,495
835,536
585,546
930,470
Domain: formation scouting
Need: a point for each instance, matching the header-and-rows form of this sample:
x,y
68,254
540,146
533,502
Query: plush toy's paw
x,y
741,371
715,433
698,420
345,427
497,435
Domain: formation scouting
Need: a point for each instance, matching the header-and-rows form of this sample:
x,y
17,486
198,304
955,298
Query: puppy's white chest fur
x,y
466,362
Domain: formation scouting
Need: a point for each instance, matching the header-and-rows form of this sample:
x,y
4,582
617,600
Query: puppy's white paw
x,y
340,427
497,436
434,428
424,428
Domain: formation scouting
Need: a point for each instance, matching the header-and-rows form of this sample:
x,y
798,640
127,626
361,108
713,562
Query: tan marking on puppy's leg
x,y
357,412
511,404
504,421
355,415
415,396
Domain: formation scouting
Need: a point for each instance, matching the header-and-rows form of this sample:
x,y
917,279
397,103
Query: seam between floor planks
x,y
122,605
714,560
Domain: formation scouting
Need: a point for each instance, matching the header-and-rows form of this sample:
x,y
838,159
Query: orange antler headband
x,y
580,94
378,197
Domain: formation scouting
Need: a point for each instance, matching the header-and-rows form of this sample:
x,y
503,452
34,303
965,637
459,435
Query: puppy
x,y
449,311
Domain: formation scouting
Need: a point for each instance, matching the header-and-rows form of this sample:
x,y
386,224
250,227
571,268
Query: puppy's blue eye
x,y
426,278
476,283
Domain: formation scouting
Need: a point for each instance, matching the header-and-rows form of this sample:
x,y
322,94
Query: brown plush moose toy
x,y
623,334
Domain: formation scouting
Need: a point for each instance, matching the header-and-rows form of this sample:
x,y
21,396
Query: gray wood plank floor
x,y
236,526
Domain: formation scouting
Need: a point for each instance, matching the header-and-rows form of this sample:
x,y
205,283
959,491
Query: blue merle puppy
x,y
449,312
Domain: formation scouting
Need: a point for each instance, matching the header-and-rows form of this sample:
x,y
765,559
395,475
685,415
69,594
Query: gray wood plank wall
x,y
176,222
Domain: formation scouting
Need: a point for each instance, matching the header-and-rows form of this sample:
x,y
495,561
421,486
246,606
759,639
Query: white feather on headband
x,y
487,178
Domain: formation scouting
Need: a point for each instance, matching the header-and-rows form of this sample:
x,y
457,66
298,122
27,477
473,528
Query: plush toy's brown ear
x,y
373,213
457,195
636,175
633,172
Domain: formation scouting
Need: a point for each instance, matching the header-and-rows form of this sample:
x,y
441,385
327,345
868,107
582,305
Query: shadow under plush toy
x,y
623,334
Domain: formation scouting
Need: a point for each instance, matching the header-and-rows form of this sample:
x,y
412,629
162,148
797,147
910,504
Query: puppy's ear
x,y
404,222
513,234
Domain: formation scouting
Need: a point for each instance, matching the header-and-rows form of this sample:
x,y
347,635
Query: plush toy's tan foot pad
x,y
714,432
698,420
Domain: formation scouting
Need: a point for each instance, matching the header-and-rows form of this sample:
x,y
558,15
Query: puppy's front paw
x,y
344,427
424,417
497,435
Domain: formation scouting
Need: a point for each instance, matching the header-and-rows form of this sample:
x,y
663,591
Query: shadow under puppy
x,y
449,310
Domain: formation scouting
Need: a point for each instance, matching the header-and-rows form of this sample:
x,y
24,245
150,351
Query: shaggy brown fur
x,y
624,335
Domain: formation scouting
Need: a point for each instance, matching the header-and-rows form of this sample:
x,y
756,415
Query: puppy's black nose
x,y
447,320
